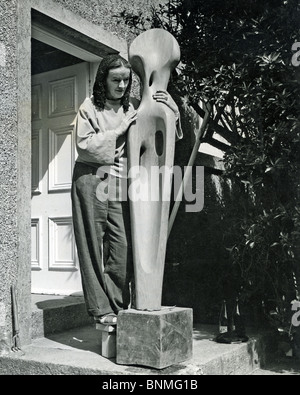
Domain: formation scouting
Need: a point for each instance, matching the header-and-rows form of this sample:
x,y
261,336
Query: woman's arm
x,y
93,144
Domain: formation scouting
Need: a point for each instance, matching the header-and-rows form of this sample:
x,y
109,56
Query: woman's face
x,y
117,83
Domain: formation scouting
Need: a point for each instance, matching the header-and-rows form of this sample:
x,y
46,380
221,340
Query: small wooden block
x,y
108,340
109,345
156,339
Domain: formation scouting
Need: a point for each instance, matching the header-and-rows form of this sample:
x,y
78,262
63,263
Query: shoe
x,y
107,319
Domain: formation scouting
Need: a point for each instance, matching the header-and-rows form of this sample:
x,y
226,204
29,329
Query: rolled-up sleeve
x,y
93,144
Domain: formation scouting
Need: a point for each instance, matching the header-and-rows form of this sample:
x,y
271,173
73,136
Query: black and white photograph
x,y
149,190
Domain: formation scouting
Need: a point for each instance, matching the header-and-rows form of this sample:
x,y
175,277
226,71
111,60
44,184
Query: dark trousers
x,y
101,224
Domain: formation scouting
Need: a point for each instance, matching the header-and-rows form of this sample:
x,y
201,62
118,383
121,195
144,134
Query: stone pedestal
x,y
108,340
156,339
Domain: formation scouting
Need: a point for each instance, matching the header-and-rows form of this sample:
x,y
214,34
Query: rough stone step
x,y
54,314
78,352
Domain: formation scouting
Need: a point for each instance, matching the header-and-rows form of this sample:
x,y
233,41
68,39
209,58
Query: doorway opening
x,y
46,58
62,75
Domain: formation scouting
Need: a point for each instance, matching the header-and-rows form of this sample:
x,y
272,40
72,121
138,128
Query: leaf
x,y
258,181
269,170
274,245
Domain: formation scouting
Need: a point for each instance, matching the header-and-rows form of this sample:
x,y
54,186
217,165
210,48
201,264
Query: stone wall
x,y
105,13
12,249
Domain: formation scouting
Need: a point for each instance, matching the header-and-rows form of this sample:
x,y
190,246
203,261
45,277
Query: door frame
x,y
49,38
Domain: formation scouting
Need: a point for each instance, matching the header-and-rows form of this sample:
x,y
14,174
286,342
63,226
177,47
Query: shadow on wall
x,y
196,257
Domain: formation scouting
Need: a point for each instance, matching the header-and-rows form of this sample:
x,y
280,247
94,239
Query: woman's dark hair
x,y
108,63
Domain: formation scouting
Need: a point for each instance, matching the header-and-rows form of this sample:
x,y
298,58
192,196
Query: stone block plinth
x,y
156,339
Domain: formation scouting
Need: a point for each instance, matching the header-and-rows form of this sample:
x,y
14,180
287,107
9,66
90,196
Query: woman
x,y
101,126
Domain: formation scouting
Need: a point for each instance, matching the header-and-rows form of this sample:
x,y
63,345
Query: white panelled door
x,y
56,97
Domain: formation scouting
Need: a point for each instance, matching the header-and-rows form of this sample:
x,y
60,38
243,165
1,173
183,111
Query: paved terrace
x,y
67,343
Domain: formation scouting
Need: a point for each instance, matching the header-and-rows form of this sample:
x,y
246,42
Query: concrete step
x,y
78,352
54,314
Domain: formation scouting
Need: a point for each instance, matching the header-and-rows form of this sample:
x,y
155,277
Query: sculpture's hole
x,y
159,142
151,79
142,151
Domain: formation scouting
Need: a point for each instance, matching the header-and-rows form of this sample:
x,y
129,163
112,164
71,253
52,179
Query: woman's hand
x,y
126,123
162,96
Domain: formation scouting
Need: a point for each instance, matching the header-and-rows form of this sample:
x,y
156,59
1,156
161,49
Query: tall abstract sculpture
x,y
151,145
